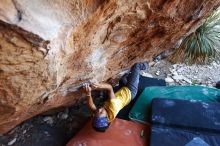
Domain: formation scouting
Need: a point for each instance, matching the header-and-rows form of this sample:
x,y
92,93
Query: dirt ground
x,y
58,127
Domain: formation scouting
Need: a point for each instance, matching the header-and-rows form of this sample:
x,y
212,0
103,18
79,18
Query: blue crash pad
x,y
141,110
178,122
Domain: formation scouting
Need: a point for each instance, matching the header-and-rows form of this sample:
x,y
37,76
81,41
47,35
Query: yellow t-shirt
x,y
113,106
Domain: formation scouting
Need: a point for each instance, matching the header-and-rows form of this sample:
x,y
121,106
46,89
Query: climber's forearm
x,y
101,86
111,93
90,103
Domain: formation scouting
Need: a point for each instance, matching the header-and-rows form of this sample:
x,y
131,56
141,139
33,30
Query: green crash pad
x,y
141,110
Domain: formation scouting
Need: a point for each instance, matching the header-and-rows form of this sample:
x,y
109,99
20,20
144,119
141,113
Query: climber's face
x,y
100,121
101,112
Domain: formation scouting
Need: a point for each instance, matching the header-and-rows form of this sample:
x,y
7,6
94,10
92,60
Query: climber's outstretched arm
x,y
90,103
104,86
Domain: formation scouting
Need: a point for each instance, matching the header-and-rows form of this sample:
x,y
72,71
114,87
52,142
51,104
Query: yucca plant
x,y
201,45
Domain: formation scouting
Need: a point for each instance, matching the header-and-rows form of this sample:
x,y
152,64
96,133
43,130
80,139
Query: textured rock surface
x,y
64,43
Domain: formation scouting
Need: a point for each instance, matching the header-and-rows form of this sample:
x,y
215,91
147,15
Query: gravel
x,y
182,74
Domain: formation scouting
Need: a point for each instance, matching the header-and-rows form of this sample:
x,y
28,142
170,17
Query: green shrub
x,y
201,45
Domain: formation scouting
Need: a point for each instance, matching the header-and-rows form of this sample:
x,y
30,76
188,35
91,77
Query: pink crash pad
x,y
120,133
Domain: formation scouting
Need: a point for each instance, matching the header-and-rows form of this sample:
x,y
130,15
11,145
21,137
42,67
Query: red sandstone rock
x,y
62,43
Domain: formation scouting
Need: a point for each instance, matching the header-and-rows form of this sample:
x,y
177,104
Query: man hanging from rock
x,y
105,115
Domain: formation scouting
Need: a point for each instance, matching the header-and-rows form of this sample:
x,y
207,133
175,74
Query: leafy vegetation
x,y
201,45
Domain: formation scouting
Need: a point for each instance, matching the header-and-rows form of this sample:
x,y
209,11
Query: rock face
x,y
49,47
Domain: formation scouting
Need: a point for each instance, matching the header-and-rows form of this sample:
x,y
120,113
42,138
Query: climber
x,y
105,115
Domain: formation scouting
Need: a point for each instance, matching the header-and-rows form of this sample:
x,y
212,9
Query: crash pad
x,y
141,110
178,122
143,83
120,133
